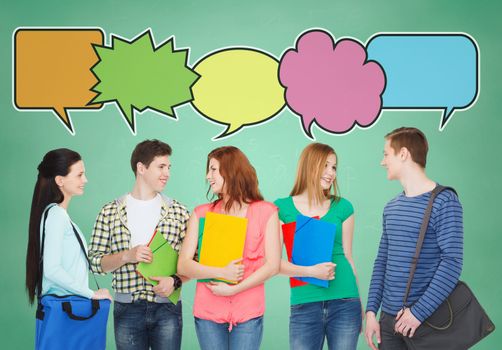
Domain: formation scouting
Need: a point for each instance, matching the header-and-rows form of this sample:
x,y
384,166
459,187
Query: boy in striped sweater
x,y
440,262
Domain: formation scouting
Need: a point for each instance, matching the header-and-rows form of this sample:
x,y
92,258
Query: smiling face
x,y
214,178
155,176
74,182
329,173
391,161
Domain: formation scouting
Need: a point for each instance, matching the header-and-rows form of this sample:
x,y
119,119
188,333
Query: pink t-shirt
x,y
251,302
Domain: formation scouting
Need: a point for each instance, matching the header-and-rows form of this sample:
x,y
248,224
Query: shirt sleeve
x,y
448,224
201,210
184,222
377,278
55,226
348,210
100,241
181,228
278,203
267,211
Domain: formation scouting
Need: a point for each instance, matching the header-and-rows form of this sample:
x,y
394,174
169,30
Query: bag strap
x,y
423,229
41,260
81,244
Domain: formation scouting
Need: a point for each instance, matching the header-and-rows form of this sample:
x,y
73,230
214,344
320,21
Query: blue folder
x,y
313,244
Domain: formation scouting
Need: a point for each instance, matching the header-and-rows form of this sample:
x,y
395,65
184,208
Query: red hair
x,y
239,176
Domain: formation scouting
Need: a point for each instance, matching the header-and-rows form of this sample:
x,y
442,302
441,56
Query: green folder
x,y
202,221
164,263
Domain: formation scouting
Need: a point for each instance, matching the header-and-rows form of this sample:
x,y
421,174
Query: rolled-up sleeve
x,y
100,241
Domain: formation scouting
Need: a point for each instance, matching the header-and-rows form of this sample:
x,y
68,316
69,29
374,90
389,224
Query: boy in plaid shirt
x,y
143,315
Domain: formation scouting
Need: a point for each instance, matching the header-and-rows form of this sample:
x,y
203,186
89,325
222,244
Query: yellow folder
x,y
223,240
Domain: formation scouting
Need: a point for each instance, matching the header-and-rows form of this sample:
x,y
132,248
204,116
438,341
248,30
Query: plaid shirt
x,y
111,235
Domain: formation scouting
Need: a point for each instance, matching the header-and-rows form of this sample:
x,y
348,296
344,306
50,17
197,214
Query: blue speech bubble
x,y
427,71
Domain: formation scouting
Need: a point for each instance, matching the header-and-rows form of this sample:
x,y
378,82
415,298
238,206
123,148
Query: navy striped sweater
x,y
440,262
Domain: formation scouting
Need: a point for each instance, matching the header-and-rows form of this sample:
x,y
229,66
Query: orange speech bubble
x,y
52,69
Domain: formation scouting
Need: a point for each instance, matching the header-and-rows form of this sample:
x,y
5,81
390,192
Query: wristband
x,y
177,282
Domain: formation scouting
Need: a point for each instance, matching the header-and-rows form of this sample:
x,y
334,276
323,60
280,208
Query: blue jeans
x,y
337,320
216,336
141,325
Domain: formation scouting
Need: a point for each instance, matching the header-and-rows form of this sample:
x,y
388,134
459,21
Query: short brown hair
x,y
308,174
413,139
238,174
146,151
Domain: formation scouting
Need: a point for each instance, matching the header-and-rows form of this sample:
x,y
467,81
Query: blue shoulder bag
x,y
71,321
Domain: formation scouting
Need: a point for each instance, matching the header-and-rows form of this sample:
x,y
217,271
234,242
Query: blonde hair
x,y
308,174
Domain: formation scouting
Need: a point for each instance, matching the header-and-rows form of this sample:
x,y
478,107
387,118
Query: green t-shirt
x,y
344,285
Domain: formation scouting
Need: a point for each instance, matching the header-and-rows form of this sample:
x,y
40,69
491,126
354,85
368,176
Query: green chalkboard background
x,y
466,154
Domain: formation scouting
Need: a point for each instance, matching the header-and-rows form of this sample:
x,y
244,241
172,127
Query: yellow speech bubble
x,y
238,87
52,69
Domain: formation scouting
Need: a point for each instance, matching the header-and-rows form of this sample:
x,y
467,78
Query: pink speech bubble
x,y
330,83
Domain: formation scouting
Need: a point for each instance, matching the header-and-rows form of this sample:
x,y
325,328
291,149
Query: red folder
x,y
288,236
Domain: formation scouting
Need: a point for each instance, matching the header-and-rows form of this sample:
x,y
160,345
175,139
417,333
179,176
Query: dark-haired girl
x,y
61,175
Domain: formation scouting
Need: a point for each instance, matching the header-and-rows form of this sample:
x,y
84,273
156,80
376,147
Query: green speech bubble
x,y
138,75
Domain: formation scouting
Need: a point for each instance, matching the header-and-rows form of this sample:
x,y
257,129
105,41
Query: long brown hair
x,y
308,174
239,176
55,163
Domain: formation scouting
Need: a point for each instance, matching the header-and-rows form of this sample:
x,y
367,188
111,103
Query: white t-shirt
x,y
142,218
